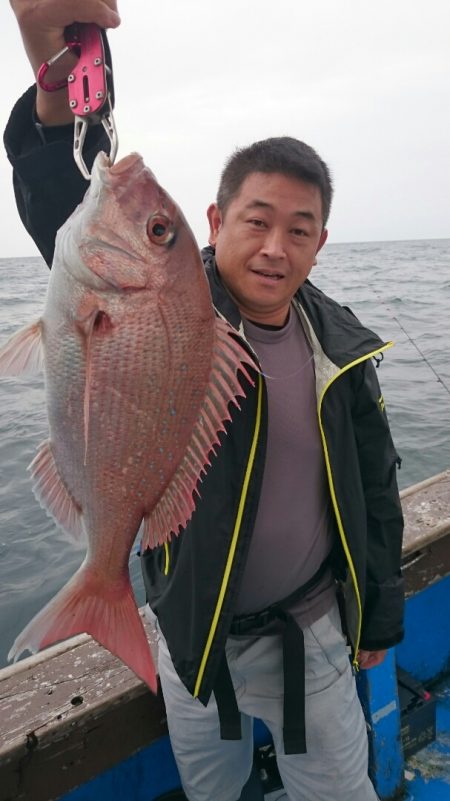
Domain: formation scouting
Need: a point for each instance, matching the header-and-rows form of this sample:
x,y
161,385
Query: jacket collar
x,y
221,298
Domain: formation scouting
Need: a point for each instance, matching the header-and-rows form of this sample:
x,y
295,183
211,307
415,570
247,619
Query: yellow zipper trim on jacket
x,y
167,559
234,539
333,492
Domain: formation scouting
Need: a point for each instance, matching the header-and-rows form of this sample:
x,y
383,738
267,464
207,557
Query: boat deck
x,y
427,772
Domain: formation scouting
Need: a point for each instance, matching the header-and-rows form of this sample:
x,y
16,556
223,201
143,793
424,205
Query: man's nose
x,y
273,245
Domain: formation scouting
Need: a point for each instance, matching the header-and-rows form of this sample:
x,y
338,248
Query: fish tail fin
x,y
106,611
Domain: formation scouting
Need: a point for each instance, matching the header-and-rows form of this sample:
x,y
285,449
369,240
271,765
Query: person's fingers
x,y
103,12
368,659
57,14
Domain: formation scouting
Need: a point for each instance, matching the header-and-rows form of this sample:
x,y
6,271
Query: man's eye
x,y
257,223
299,232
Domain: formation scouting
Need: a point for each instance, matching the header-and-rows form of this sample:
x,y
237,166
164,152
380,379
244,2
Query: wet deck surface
x,y
428,771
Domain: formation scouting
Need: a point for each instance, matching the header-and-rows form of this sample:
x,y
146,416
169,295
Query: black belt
x,y
293,669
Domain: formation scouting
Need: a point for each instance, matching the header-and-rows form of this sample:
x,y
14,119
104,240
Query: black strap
x,y
229,715
294,735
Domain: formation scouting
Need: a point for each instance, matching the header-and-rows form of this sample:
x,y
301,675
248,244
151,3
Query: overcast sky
x,y
366,84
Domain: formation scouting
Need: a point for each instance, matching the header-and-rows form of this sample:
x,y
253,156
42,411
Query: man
x,y
302,493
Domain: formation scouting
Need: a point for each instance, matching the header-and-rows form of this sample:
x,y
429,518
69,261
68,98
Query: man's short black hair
x,y
282,154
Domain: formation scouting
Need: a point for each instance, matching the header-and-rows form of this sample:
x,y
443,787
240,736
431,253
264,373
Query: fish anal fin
x,y
52,494
176,505
23,353
106,611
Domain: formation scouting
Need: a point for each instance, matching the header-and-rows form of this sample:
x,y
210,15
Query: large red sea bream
x,y
139,373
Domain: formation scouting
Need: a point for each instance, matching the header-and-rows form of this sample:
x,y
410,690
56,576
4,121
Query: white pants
x,y
335,765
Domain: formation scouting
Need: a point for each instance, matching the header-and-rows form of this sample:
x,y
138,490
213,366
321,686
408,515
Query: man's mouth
x,y
270,274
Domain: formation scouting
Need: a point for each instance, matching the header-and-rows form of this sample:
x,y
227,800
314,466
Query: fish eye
x,y
160,229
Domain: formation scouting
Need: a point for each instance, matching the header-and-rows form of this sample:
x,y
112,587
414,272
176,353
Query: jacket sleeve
x,y
47,183
384,595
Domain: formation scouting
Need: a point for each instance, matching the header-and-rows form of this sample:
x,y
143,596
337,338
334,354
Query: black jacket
x,y
192,582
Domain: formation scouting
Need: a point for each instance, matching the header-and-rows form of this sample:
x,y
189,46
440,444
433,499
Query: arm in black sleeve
x,y
47,183
384,598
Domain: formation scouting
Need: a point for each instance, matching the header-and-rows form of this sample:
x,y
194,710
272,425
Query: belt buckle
x,y
265,618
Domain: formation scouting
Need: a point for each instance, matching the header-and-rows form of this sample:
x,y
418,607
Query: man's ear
x,y
215,221
322,240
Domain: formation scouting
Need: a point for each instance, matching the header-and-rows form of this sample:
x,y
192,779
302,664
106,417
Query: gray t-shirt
x,y
293,530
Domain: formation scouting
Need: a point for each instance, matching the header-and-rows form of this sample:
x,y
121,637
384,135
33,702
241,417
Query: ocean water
x,y
399,289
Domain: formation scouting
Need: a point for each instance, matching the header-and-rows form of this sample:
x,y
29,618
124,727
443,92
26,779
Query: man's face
x,y
266,243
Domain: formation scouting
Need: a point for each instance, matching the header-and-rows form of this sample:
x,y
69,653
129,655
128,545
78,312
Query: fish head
x,y
128,233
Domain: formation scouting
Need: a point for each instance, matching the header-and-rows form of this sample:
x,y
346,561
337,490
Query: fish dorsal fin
x,y
52,494
177,503
23,353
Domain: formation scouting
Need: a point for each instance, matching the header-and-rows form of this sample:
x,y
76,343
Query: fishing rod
x,y
439,378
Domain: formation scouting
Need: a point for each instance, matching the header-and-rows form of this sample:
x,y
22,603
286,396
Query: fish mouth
x,y
125,164
131,166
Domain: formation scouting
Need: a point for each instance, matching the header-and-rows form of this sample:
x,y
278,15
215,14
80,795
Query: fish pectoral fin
x,y
52,494
93,603
176,505
23,353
